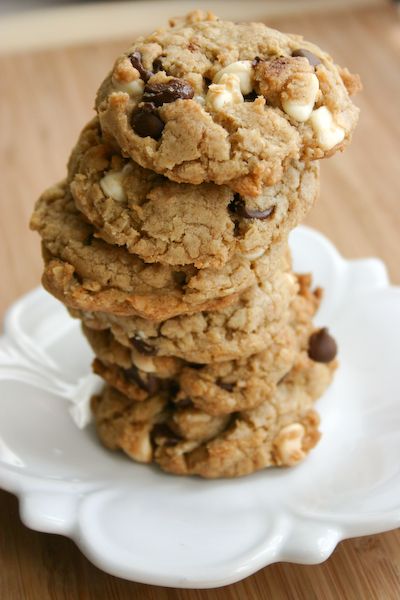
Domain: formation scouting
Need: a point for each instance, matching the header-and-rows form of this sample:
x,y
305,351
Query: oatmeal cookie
x,y
238,330
207,100
182,224
87,273
186,441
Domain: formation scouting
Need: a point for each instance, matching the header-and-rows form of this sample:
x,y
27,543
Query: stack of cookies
x,y
168,240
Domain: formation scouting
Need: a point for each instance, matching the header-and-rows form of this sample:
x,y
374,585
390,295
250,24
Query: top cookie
x,y
231,103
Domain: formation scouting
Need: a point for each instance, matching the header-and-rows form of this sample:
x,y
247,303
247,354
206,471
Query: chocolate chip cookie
x,y
187,441
238,330
182,224
206,100
86,273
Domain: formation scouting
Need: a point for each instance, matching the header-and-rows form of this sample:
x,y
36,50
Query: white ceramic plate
x,y
138,523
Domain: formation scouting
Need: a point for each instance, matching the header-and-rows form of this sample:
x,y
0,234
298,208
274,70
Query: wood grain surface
x,y
45,99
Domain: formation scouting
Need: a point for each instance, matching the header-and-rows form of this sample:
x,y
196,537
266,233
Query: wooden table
x,y
45,98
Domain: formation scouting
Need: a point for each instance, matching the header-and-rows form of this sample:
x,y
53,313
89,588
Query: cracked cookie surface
x,y
188,441
239,100
87,273
219,387
180,224
240,329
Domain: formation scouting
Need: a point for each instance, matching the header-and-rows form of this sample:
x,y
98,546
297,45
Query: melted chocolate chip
x,y
321,346
312,59
229,387
136,60
238,207
163,93
141,346
146,122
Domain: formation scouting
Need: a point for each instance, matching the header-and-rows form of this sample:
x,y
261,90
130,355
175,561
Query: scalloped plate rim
x,y
28,487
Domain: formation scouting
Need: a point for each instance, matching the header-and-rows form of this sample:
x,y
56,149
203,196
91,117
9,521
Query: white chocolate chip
x,y
111,184
301,111
289,444
200,100
242,69
134,88
328,133
144,363
253,255
225,93
138,445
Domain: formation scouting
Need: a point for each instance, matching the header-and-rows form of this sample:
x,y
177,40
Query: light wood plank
x,y
45,99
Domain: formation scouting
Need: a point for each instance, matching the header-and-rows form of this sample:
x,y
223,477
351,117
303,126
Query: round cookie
x,y
239,100
88,274
247,326
185,441
181,224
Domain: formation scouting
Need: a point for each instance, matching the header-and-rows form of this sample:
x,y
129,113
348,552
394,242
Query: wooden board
x,y
45,99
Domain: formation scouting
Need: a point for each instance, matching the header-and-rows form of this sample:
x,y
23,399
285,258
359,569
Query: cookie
x,y
182,224
220,387
88,274
229,386
116,365
240,329
207,100
186,441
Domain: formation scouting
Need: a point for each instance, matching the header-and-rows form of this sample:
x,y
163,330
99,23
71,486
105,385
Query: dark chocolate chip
x,y
163,93
250,97
229,387
312,59
238,207
184,403
88,241
195,366
151,384
157,65
147,123
235,206
136,60
321,346
173,387
179,277
161,430
141,346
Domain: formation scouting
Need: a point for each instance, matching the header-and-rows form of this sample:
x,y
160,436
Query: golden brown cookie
x,y
86,273
182,224
187,441
232,103
244,327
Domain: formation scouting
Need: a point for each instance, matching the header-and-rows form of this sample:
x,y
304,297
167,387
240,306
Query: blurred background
x,y
53,56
